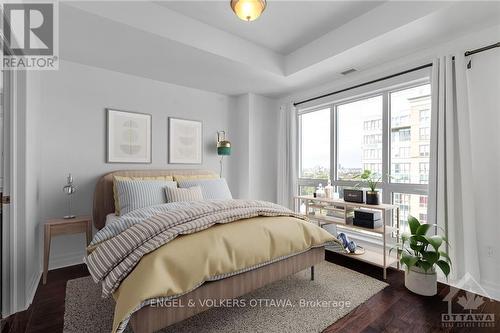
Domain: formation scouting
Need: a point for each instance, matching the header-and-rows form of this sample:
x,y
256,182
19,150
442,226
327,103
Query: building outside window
x,y
355,143
425,133
424,150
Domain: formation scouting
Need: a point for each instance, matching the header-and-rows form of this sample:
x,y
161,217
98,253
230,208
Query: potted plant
x,y
371,180
421,254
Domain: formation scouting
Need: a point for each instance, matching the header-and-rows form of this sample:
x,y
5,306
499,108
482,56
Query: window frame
x,y
386,186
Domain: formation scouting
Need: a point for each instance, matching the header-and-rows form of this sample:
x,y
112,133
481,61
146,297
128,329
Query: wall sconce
x,y
223,148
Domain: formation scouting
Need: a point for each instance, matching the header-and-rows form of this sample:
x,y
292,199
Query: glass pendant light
x,y
248,10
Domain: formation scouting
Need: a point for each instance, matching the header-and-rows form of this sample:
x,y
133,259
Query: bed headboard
x,y
104,203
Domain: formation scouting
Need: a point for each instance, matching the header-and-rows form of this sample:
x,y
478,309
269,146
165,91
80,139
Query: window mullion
x,y
333,143
386,153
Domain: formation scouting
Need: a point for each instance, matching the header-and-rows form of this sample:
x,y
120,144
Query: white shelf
x,y
376,258
323,219
371,257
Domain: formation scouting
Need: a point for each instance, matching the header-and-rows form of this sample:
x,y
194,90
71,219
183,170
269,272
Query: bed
x,y
149,318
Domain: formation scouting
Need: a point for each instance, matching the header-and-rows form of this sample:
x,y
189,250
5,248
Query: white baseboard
x,y
66,259
33,285
57,261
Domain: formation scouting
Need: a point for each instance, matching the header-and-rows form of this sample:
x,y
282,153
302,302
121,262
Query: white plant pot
x,y
421,282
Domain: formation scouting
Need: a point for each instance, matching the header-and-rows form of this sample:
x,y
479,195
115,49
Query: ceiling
x,y
284,26
293,46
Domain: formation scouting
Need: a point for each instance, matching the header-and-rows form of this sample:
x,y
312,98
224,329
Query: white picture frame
x,y
129,137
185,141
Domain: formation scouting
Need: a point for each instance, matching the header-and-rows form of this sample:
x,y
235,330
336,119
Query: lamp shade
x,y
248,10
224,148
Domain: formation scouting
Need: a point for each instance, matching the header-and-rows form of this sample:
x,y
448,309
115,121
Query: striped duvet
x,y
118,248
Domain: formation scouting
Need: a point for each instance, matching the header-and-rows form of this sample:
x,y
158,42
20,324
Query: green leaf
x,y
422,229
408,259
435,241
416,247
424,265
419,238
414,224
444,267
445,255
431,257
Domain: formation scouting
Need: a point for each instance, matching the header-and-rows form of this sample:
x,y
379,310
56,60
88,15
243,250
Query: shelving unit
x,y
316,209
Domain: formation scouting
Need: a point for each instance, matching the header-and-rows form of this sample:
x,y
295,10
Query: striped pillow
x,y
115,193
212,189
183,194
135,194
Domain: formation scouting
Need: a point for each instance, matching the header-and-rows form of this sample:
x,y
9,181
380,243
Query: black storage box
x,y
366,214
354,196
371,224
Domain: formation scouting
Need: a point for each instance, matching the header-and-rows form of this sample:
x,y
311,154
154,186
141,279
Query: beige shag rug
x,y
289,305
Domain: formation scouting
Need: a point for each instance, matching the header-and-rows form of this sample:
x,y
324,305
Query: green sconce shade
x,y
224,148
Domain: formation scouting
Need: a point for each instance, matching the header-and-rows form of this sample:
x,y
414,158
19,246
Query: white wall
x,y
70,104
253,124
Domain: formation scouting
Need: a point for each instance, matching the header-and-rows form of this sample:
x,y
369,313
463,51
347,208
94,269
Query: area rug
x,y
295,304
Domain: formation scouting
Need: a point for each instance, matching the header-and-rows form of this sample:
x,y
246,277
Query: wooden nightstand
x,y
61,226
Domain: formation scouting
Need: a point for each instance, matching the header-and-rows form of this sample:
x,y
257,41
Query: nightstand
x,y
55,227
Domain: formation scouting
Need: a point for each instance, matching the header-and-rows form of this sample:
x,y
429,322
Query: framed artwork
x,y
129,137
185,141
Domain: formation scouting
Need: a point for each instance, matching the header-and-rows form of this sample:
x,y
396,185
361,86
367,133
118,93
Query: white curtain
x,y
287,156
451,188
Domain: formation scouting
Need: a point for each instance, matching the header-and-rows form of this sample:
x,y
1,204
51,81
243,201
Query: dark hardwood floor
x,y
393,309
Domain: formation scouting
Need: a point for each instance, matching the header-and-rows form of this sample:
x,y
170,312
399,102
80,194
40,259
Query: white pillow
x,y
212,189
183,194
135,194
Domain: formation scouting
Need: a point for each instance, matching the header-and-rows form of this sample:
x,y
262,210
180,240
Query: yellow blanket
x,y
186,262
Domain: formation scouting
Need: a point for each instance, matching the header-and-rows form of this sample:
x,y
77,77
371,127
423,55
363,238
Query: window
x,y
355,122
402,115
424,172
424,150
315,144
425,116
425,133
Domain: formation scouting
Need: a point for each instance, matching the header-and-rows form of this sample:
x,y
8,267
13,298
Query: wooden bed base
x,y
150,319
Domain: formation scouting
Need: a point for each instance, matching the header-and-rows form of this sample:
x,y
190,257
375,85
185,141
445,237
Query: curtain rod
x,y
365,84
481,49
468,53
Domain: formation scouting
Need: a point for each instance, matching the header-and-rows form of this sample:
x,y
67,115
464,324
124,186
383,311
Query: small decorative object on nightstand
x,y
69,189
82,224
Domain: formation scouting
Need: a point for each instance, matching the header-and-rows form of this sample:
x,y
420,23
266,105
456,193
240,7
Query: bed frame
x,y
150,319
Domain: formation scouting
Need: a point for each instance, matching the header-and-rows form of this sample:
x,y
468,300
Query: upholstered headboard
x,y
104,203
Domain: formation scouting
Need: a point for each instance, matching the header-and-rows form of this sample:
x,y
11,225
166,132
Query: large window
x,y
387,132
359,137
315,144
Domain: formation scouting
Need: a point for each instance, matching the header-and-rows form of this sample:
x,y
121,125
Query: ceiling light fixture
x,y
248,10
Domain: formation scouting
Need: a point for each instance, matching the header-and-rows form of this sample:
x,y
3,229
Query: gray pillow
x,y
212,189
135,194
183,194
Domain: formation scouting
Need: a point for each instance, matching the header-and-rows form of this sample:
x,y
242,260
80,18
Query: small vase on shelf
x,y
372,198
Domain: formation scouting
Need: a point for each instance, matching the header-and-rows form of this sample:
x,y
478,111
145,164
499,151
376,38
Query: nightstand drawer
x,y
65,229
